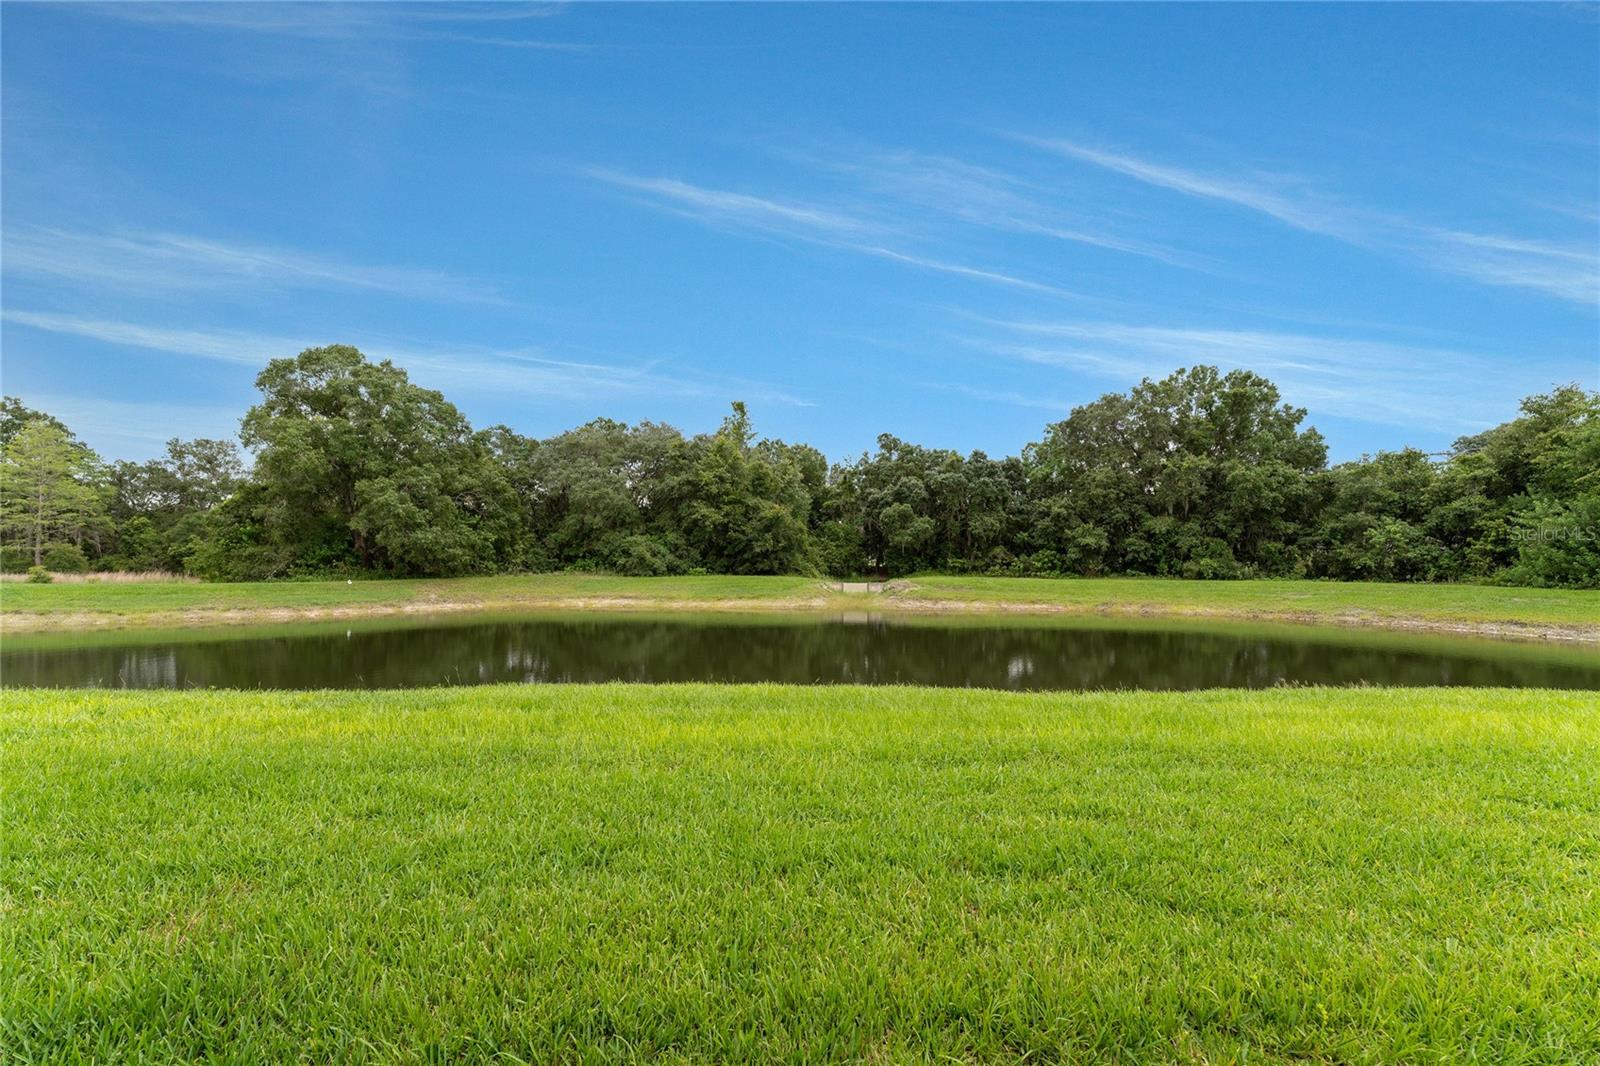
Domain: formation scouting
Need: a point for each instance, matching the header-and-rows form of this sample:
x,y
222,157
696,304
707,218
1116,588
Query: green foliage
x,y
1559,544
924,509
65,559
359,466
1210,560
1508,503
233,542
161,507
39,575
839,547
641,555
1200,475
1549,455
745,507
51,488
14,414
580,494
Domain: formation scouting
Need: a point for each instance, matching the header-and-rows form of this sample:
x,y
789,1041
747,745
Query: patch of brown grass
x,y
110,577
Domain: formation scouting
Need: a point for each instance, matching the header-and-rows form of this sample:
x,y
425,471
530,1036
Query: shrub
x,y
232,548
1212,560
1560,545
1398,551
66,559
641,555
38,575
1046,562
137,545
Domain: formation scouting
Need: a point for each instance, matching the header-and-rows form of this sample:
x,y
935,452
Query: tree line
x,y
1203,474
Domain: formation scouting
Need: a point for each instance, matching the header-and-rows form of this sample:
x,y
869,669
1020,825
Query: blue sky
x,y
951,223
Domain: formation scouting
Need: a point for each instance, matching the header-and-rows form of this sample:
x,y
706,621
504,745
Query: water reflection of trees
x,y
804,653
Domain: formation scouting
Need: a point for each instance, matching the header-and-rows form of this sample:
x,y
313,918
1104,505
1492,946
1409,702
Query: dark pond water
x,y
1076,654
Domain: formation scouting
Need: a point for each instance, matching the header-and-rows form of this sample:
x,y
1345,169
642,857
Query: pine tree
x,y
48,489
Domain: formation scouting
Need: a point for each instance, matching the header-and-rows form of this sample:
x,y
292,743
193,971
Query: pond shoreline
x,y
1505,629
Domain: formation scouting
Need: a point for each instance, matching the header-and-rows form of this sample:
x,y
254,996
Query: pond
x,y
1034,654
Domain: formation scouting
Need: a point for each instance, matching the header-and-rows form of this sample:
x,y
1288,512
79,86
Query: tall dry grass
x,y
112,577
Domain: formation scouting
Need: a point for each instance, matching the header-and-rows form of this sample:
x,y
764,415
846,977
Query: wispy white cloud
x,y
523,43
1569,272
227,346
1585,211
146,262
346,21
323,21
1369,380
365,50
960,270
1001,396
1255,192
486,370
980,196
489,11
737,208
799,221
132,430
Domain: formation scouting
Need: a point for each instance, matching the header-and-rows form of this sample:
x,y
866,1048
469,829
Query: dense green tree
x,y
1560,543
744,508
1201,474
160,506
235,543
360,467
599,496
50,489
1509,503
1376,515
643,500
903,498
1550,453
906,508
202,472
65,559
14,414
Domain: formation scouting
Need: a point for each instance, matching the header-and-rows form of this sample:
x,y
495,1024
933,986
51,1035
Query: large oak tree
x,y
355,464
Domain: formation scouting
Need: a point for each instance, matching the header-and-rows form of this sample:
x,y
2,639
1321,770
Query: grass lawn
x,y
1552,612
136,601
1327,599
801,874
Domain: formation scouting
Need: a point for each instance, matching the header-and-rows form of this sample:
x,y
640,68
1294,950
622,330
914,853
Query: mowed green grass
x,y
135,599
180,603
717,874
1328,599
